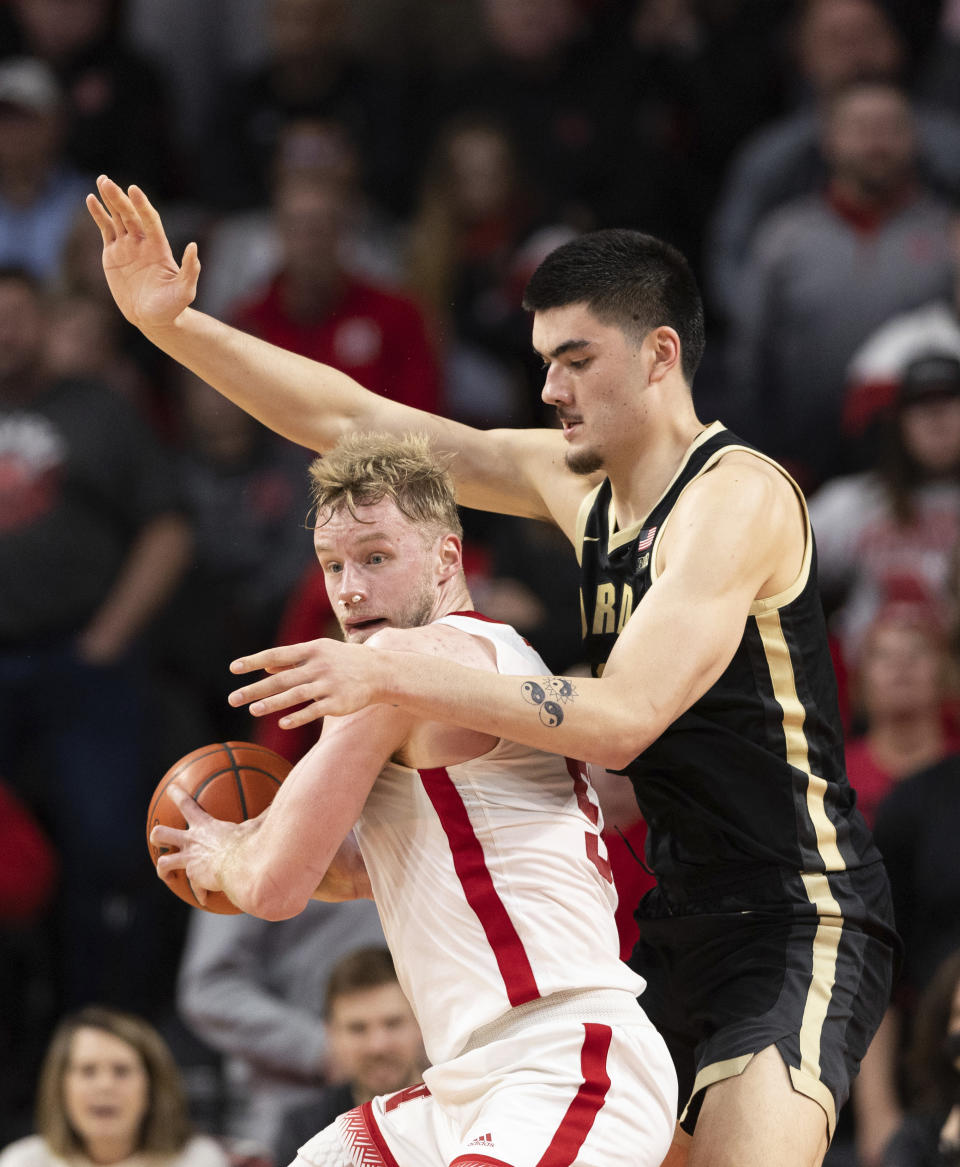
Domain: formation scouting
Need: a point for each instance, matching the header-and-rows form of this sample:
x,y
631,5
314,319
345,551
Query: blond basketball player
x,y
484,858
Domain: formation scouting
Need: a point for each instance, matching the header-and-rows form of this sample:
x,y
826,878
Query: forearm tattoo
x,y
550,695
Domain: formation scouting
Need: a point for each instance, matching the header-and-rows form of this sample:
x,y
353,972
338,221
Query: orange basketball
x,y
232,781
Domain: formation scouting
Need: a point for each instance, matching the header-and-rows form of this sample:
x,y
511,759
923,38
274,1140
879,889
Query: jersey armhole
x,y
782,598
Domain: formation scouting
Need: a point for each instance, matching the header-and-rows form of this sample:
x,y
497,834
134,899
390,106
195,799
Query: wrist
x,y
159,332
388,689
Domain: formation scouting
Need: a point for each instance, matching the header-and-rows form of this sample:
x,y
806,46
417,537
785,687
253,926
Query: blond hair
x,y
166,1127
363,469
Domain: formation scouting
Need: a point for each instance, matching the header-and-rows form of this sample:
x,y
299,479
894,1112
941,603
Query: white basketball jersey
x,y
491,878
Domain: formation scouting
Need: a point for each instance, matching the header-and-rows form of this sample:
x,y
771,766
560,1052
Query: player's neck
x,y
452,596
639,478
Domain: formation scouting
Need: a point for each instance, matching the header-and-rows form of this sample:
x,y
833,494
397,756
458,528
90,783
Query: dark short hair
x,y
628,279
363,968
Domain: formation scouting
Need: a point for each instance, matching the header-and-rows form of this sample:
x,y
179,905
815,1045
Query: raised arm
x,y
517,472
736,534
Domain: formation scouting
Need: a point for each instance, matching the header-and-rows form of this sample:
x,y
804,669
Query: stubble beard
x,y
418,611
583,462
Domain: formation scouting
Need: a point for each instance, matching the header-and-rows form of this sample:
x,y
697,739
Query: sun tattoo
x,y
549,695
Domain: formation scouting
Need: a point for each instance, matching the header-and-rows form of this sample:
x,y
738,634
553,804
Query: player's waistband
x,y
606,1006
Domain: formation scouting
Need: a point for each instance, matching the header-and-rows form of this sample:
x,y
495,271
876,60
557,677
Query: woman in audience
x,y
889,534
900,685
110,1094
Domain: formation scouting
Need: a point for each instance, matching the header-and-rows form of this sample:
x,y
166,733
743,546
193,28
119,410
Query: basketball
x,y
232,781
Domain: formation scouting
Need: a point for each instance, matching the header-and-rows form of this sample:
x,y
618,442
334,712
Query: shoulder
x,y
29,1152
202,1151
435,639
746,481
909,800
789,225
776,145
745,518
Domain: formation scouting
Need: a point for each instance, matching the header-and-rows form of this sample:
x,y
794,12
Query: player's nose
x,y
555,391
351,590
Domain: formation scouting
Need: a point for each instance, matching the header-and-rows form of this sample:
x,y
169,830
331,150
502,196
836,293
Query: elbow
x,y
273,898
617,755
625,738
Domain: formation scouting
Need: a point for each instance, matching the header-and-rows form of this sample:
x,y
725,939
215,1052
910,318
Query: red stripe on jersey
x,y
477,1161
366,1138
585,1107
470,864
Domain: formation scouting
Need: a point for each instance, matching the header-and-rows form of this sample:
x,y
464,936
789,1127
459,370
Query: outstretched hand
x,y
150,288
326,677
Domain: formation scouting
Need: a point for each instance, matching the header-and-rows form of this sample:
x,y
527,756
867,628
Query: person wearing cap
x,y
39,191
891,531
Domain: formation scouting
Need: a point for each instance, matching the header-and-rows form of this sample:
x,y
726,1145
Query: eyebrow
x,y
369,537
567,346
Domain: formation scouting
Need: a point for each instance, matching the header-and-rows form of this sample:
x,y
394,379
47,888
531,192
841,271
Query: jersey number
x,y
578,772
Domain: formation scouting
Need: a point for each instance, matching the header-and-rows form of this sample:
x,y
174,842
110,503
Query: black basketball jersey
x,y
752,774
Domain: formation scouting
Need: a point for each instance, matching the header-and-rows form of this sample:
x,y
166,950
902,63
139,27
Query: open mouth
x,y
366,625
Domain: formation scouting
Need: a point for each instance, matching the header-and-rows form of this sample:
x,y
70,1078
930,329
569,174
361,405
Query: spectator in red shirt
x,y
900,685
315,307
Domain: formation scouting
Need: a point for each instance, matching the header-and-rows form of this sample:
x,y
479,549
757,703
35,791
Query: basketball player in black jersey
x,y
767,945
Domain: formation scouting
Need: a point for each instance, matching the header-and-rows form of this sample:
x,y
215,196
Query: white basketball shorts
x,y
578,1080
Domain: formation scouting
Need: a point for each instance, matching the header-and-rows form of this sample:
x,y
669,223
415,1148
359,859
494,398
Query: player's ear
x,y
450,554
663,345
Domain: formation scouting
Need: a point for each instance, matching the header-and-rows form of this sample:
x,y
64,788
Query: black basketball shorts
x,y
726,979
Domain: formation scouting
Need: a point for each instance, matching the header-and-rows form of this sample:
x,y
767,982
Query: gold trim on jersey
x,y
617,538
781,599
826,944
780,666
582,515
717,1072
810,1085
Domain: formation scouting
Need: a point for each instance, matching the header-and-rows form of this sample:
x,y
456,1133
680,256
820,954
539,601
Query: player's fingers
x,y
146,212
295,696
101,218
125,217
169,863
304,716
190,264
191,810
270,659
162,836
273,685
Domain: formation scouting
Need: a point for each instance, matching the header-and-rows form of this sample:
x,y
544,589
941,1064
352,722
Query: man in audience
x,y
373,1041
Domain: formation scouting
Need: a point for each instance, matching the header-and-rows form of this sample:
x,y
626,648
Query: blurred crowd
x,y
370,184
